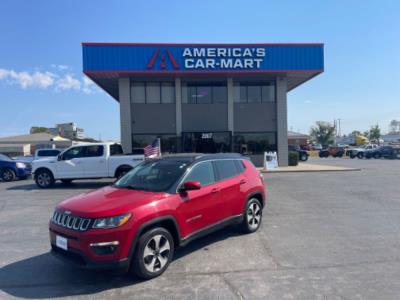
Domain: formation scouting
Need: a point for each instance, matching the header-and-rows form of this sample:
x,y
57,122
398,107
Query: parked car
x,y
84,161
316,147
384,151
138,222
303,155
39,154
11,169
332,151
360,151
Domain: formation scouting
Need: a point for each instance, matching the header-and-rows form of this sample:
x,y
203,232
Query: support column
x,y
281,118
178,106
125,114
178,112
229,84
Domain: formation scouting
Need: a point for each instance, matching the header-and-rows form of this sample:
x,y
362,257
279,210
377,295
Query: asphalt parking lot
x,y
333,235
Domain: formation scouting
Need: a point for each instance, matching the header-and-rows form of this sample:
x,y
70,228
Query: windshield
x,y
155,176
5,157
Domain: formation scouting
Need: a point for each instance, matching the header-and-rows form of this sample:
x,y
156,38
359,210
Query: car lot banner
x,y
270,160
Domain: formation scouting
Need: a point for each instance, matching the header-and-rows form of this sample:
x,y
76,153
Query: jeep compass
x,y
161,204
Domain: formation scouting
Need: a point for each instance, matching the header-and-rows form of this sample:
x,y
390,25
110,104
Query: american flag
x,y
153,150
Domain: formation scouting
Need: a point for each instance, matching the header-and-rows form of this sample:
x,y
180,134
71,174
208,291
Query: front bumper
x,y
81,251
80,260
24,172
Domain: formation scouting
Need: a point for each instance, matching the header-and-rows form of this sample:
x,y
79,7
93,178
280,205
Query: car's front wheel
x,y
44,179
7,175
360,155
154,253
253,216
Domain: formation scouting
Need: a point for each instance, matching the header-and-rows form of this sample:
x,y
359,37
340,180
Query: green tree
x,y
39,129
375,132
323,133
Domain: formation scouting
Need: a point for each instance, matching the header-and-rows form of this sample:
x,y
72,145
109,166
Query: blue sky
x,y
41,82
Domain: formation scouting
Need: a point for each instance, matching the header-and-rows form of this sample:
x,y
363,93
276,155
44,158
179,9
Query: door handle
x,y
215,190
242,181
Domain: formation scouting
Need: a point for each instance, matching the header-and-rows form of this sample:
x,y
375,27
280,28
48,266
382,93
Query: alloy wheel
x,y
254,215
156,253
7,175
44,179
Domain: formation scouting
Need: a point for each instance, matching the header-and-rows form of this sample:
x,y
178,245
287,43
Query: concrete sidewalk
x,y
307,167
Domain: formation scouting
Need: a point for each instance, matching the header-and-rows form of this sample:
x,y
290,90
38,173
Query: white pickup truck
x,y
84,161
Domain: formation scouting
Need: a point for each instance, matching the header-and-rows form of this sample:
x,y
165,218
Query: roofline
x,y
142,72
200,44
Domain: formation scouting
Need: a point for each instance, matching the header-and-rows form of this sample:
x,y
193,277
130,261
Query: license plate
x,y
61,242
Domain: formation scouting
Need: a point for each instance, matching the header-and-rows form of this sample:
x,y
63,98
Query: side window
x,y
94,151
240,165
203,173
73,153
116,149
226,169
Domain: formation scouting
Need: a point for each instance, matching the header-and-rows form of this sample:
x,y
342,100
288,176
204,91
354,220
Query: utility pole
x,y
340,133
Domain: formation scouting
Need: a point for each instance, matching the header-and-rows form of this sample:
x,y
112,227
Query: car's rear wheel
x,y
7,175
252,216
44,179
154,253
303,157
377,156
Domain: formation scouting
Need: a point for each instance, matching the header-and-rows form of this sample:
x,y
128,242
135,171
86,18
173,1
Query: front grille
x,y
70,221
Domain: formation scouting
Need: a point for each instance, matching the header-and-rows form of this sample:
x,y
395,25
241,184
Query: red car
x,y
161,204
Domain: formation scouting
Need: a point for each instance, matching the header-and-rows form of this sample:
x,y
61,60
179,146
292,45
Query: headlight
x,y
112,222
21,165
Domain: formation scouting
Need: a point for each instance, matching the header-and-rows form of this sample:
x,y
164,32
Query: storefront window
x,y
206,142
138,92
254,143
167,92
251,92
168,141
204,93
153,92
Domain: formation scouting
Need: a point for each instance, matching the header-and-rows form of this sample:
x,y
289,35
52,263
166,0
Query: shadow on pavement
x,y
76,185
43,276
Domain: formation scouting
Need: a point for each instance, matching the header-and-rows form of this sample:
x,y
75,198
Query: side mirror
x,y
190,186
59,157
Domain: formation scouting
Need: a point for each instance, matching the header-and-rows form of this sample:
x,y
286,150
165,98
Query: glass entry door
x,y
207,142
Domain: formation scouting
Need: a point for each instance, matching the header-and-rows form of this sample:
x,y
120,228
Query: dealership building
x,y
203,97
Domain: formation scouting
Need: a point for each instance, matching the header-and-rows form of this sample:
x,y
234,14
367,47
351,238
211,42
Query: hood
x,y
108,201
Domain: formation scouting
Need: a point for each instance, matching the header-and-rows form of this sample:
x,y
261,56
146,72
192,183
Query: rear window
x,y
226,169
94,151
116,149
42,153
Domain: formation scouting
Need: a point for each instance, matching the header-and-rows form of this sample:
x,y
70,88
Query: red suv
x,y
161,204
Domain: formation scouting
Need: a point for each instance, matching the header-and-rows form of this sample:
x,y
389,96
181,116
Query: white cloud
x,y
25,79
48,80
60,67
68,82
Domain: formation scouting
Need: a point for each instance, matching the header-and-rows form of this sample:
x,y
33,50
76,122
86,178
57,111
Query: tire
x,y
152,258
303,157
377,156
252,216
66,181
360,155
7,175
44,179
352,156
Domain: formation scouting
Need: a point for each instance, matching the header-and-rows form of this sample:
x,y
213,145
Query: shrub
x,y
293,158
